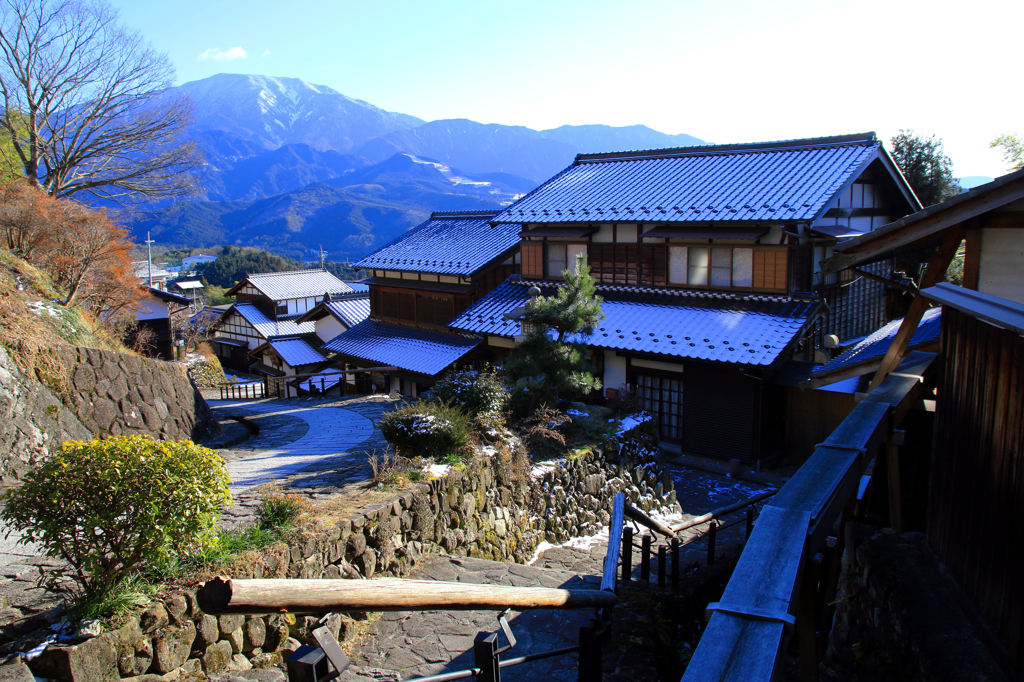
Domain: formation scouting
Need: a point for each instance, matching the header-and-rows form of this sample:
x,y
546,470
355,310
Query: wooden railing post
x,y
661,565
712,532
645,558
675,564
627,554
590,653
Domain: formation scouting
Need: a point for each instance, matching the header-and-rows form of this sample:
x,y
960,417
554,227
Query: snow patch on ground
x,y
538,470
631,421
439,470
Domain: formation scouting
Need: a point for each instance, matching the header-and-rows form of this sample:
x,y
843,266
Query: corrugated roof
x,y
742,329
447,244
268,326
411,349
778,181
875,346
297,351
281,286
352,310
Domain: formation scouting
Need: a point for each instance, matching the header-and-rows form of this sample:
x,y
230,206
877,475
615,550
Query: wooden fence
x,y
776,585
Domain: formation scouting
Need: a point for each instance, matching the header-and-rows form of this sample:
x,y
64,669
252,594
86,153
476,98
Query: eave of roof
x,y
922,226
416,284
992,309
416,350
169,297
685,324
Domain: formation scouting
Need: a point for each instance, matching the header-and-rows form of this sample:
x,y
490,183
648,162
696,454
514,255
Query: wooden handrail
x,y
249,597
611,559
645,520
721,511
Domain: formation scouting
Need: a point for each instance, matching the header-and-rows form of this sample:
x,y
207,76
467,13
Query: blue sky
x,y
738,71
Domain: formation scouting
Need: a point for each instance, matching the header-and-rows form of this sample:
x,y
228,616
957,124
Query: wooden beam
x,y
721,511
935,274
645,520
892,460
998,220
878,212
887,282
843,374
972,258
251,597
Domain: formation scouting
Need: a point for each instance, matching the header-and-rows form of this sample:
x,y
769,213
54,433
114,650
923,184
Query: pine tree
x,y
551,363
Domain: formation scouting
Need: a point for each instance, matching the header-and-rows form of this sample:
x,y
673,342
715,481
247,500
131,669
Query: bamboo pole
x,y
249,597
645,520
721,511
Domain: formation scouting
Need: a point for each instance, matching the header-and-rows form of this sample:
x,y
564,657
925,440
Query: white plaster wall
x,y
614,370
604,234
627,232
655,364
328,327
1001,267
395,384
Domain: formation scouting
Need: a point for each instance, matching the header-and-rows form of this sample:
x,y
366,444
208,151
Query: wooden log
x,y
721,511
645,520
251,597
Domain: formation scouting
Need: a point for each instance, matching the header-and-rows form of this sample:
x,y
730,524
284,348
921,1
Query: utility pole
x,y
323,254
149,258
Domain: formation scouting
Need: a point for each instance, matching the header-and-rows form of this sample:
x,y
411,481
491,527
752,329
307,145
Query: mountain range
x,y
291,166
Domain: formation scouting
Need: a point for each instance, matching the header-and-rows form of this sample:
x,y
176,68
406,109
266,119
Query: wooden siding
x,y
533,259
426,310
645,265
976,499
770,268
719,413
813,416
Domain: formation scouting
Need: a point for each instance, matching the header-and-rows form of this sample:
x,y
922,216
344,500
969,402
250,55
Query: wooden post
x,y
935,273
892,460
627,554
805,631
661,565
590,653
675,564
712,532
645,558
244,597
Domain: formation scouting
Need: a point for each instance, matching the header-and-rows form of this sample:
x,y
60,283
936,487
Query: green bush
x,y
476,392
110,507
428,429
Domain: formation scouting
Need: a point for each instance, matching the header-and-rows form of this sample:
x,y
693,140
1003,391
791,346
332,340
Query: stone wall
x,y
487,510
898,617
108,394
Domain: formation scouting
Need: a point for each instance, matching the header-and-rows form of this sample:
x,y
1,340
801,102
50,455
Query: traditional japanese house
x,y
156,310
706,258
335,315
419,282
267,306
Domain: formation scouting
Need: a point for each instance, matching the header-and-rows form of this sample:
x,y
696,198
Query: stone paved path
x,y
407,644
331,434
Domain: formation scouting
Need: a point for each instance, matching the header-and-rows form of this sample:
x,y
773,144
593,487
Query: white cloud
x,y
266,52
215,54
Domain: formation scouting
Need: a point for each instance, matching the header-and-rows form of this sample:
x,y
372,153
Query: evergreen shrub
x,y
476,392
110,507
433,430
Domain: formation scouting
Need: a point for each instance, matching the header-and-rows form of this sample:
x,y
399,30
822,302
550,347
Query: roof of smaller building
x,y
268,326
168,296
141,270
791,180
446,244
296,351
415,350
281,286
701,325
350,310
875,346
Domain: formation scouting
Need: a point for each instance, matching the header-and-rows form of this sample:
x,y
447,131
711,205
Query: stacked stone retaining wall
x,y
482,510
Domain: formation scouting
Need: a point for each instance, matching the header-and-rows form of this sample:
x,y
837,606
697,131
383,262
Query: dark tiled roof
x,y
411,349
736,328
776,181
168,296
296,351
352,310
281,286
875,346
268,326
447,244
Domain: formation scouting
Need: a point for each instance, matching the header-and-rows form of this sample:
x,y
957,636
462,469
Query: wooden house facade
x,y
705,257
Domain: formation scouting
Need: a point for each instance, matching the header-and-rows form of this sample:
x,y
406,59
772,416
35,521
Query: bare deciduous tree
x,y
86,106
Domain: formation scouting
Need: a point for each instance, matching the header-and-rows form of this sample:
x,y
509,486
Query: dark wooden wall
x,y
813,416
720,413
976,500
